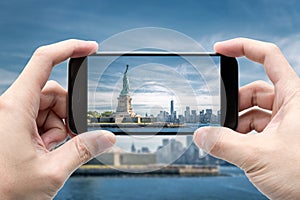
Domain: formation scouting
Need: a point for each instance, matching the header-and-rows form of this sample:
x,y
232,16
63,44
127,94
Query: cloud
x,y
290,46
150,37
154,81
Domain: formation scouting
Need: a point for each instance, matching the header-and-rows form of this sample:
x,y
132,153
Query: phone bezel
x,y
77,96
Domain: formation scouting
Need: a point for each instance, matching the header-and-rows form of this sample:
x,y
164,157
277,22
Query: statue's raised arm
x,y
126,69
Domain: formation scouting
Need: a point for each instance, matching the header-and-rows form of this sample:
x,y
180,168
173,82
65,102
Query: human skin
x,y
32,115
271,157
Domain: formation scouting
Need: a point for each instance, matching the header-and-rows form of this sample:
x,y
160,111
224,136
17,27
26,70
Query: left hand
x,y
32,115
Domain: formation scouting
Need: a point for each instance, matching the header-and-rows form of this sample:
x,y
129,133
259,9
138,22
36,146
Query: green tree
x,y
92,114
106,114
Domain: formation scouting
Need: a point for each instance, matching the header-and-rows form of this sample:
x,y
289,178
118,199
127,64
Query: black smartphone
x,y
152,93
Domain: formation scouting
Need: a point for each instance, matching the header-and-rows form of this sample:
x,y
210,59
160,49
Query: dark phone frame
x,y
77,90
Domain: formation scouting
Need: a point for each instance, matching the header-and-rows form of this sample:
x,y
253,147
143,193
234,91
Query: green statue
x,y
125,90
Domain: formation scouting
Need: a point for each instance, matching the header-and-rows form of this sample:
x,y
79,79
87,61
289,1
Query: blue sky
x,y
25,25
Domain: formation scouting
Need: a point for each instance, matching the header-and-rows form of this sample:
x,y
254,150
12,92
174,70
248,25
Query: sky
x,y
26,25
190,81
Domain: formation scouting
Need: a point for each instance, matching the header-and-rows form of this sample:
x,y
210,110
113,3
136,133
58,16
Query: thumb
x,y
223,143
81,149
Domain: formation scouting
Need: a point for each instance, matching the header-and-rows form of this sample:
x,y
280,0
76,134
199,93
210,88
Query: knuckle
x,y
52,83
82,150
241,38
53,87
259,83
272,47
73,43
218,147
41,51
72,40
44,54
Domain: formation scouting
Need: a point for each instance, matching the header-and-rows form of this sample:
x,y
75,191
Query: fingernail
x,y
202,139
217,44
103,140
95,45
110,139
93,42
200,136
52,146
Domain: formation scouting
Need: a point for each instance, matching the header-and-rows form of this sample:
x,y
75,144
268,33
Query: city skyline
x,y
153,82
189,115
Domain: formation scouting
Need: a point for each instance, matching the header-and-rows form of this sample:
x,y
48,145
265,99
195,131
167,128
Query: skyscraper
x,y
172,107
133,149
187,114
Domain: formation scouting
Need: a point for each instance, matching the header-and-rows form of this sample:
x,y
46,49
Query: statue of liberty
x,y
124,108
125,90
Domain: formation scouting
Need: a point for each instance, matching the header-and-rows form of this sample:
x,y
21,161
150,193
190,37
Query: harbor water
x,y
231,184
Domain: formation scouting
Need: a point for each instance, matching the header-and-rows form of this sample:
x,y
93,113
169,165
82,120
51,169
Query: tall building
x,y
219,116
187,114
165,142
193,116
181,118
191,154
170,151
145,150
208,115
133,149
172,107
163,116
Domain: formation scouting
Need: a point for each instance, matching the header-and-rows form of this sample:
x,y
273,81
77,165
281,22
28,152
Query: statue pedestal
x,y
124,106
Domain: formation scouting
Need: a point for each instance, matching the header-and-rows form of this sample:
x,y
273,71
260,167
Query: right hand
x,y
270,158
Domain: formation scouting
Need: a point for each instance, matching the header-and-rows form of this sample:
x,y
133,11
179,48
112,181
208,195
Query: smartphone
x,y
152,93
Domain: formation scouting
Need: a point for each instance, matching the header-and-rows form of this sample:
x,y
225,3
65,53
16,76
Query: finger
x,y
253,120
45,58
34,76
223,143
54,97
258,93
268,54
81,149
53,132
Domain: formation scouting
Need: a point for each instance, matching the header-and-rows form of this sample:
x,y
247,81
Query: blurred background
x,y
26,25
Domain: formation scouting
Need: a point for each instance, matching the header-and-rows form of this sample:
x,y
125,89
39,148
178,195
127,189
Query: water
x,y
233,186
188,129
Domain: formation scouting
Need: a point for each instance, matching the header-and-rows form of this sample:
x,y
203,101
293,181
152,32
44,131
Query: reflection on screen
x,y
153,94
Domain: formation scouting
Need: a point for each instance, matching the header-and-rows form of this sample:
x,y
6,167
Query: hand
x,y
270,158
32,115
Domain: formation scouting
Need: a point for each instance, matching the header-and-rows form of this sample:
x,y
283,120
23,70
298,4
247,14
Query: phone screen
x,y
153,94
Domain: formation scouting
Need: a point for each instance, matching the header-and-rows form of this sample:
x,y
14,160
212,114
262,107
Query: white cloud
x,y
150,37
290,47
